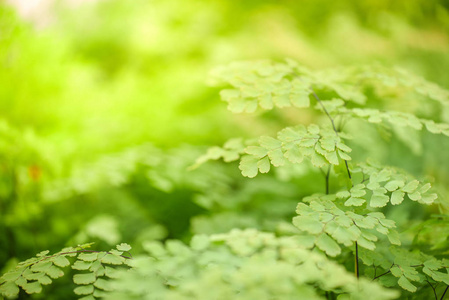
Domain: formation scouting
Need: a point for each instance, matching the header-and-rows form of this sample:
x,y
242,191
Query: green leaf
x,y
84,290
308,224
32,287
41,266
328,245
396,271
9,289
61,261
54,272
90,297
361,241
332,157
123,247
353,201
270,143
394,185
378,200
257,151
343,194
111,272
112,259
300,99
405,284
264,165
343,155
84,278
277,157
393,237
200,242
88,256
44,280
411,186
248,166
81,265
318,160
294,155
397,197
103,284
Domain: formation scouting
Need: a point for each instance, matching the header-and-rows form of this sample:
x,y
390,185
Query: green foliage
x,y
97,268
239,265
351,216
99,100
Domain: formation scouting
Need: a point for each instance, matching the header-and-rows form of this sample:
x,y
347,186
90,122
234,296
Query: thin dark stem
x,y
333,126
347,169
433,288
356,260
381,275
325,110
444,293
375,277
327,179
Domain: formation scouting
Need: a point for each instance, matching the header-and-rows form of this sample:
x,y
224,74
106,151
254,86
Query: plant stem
x,y
433,288
381,275
444,293
356,260
356,267
327,179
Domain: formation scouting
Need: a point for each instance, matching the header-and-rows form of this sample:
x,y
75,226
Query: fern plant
x,y
344,240
352,214
95,267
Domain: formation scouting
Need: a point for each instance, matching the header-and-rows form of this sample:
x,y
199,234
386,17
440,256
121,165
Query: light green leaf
x,y
84,290
397,197
308,224
343,194
411,186
300,99
200,242
328,245
248,166
112,259
103,284
32,287
61,261
343,155
353,201
361,241
84,278
394,185
264,165
81,265
123,247
414,196
90,297
88,256
318,160
54,272
379,200
393,237
332,157
44,280
282,100
41,266
257,151
277,157
405,284
294,155
396,271
428,199
9,289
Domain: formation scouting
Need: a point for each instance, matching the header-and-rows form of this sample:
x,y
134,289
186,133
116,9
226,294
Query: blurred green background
x,y
104,105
